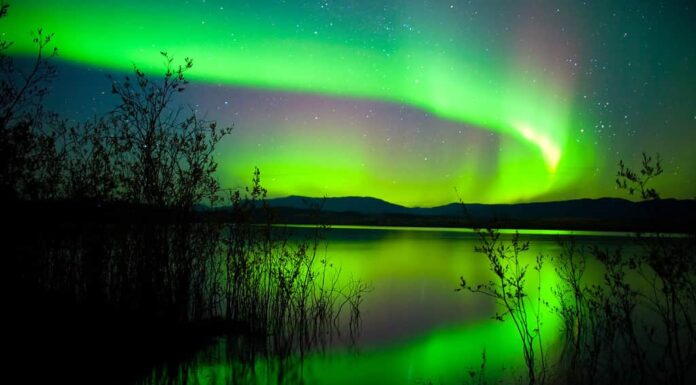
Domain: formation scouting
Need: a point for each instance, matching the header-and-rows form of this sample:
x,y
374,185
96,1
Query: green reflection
x,y
415,327
575,233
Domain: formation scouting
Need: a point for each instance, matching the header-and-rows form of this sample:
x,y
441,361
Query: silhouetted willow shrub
x,y
634,325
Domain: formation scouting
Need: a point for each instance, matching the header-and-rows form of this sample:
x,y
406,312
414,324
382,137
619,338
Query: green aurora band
x,y
496,88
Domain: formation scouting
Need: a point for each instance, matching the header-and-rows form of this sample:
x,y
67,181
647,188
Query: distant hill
x,y
604,213
362,205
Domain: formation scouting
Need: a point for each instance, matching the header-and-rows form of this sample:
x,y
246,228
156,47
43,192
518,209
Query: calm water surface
x,y
415,327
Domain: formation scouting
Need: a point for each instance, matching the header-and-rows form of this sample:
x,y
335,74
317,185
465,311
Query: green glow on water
x,y
443,356
589,233
415,327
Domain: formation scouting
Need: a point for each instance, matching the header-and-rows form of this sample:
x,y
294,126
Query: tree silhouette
x,y
146,151
164,154
627,179
29,162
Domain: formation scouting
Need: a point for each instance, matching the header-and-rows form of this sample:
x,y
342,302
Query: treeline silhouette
x,y
109,270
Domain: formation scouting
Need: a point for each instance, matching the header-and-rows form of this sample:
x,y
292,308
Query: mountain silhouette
x,y
602,213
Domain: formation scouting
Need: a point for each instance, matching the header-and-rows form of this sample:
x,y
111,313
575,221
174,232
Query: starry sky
x,y
504,101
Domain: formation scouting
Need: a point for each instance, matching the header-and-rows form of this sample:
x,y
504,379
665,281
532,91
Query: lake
x,y
415,327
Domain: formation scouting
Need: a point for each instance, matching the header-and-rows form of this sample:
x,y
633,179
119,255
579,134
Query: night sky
x,y
506,101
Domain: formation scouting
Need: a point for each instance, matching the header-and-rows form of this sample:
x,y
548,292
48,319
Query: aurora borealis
x,y
404,100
